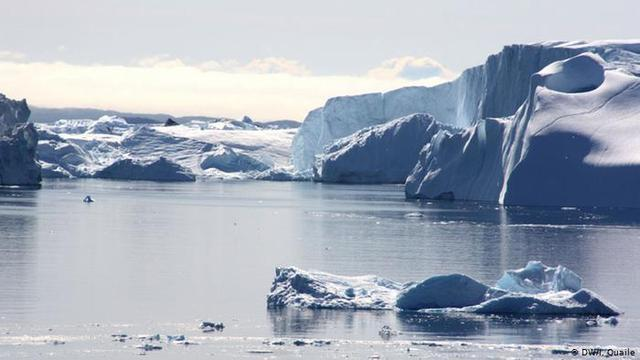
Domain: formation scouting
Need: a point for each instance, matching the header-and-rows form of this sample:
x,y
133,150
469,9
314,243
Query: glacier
x,y
535,289
201,148
18,142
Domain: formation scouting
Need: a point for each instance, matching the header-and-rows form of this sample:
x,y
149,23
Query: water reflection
x,y
18,224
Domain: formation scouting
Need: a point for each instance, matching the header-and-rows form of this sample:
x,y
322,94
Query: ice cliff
x,y
18,142
572,142
551,124
495,89
534,289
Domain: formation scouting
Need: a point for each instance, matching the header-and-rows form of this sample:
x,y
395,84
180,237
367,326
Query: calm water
x,y
149,257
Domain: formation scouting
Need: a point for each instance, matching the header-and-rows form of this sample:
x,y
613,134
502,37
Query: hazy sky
x,y
268,59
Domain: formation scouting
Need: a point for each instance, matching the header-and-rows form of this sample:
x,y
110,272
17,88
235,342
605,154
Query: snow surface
x,y
319,290
227,149
571,143
380,154
535,289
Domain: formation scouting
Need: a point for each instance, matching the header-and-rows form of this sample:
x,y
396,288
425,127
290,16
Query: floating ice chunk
x,y
315,289
386,332
208,326
148,347
536,277
442,291
88,199
155,337
171,338
582,302
536,289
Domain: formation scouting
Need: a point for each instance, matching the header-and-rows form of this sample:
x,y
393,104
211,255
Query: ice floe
x,y
535,289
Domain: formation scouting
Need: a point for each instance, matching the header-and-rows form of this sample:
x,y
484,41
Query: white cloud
x,y
269,65
270,88
411,68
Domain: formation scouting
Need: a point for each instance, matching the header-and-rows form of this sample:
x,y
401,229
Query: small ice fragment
x,y
149,347
591,323
155,337
413,215
171,338
57,342
612,320
300,342
208,326
386,332
185,342
88,199
259,351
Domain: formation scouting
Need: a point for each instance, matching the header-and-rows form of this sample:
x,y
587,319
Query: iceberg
x,y
320,290
443,291
571,143
493,90
18,142
536,289
539,278
380,154
582,302
155,170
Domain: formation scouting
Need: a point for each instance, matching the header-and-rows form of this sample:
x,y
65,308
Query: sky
x,y
268,59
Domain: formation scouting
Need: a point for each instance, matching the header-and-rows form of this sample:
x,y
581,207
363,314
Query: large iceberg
x,y
218,148
495,89
542,124
571,143
380,154
535,289
18,142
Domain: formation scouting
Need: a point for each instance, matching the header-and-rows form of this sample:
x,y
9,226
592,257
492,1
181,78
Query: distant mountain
x,y
50,115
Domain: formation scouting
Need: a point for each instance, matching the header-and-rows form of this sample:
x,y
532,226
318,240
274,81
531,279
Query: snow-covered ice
x,y
495,89
535,289
225,148
570,143
320,290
